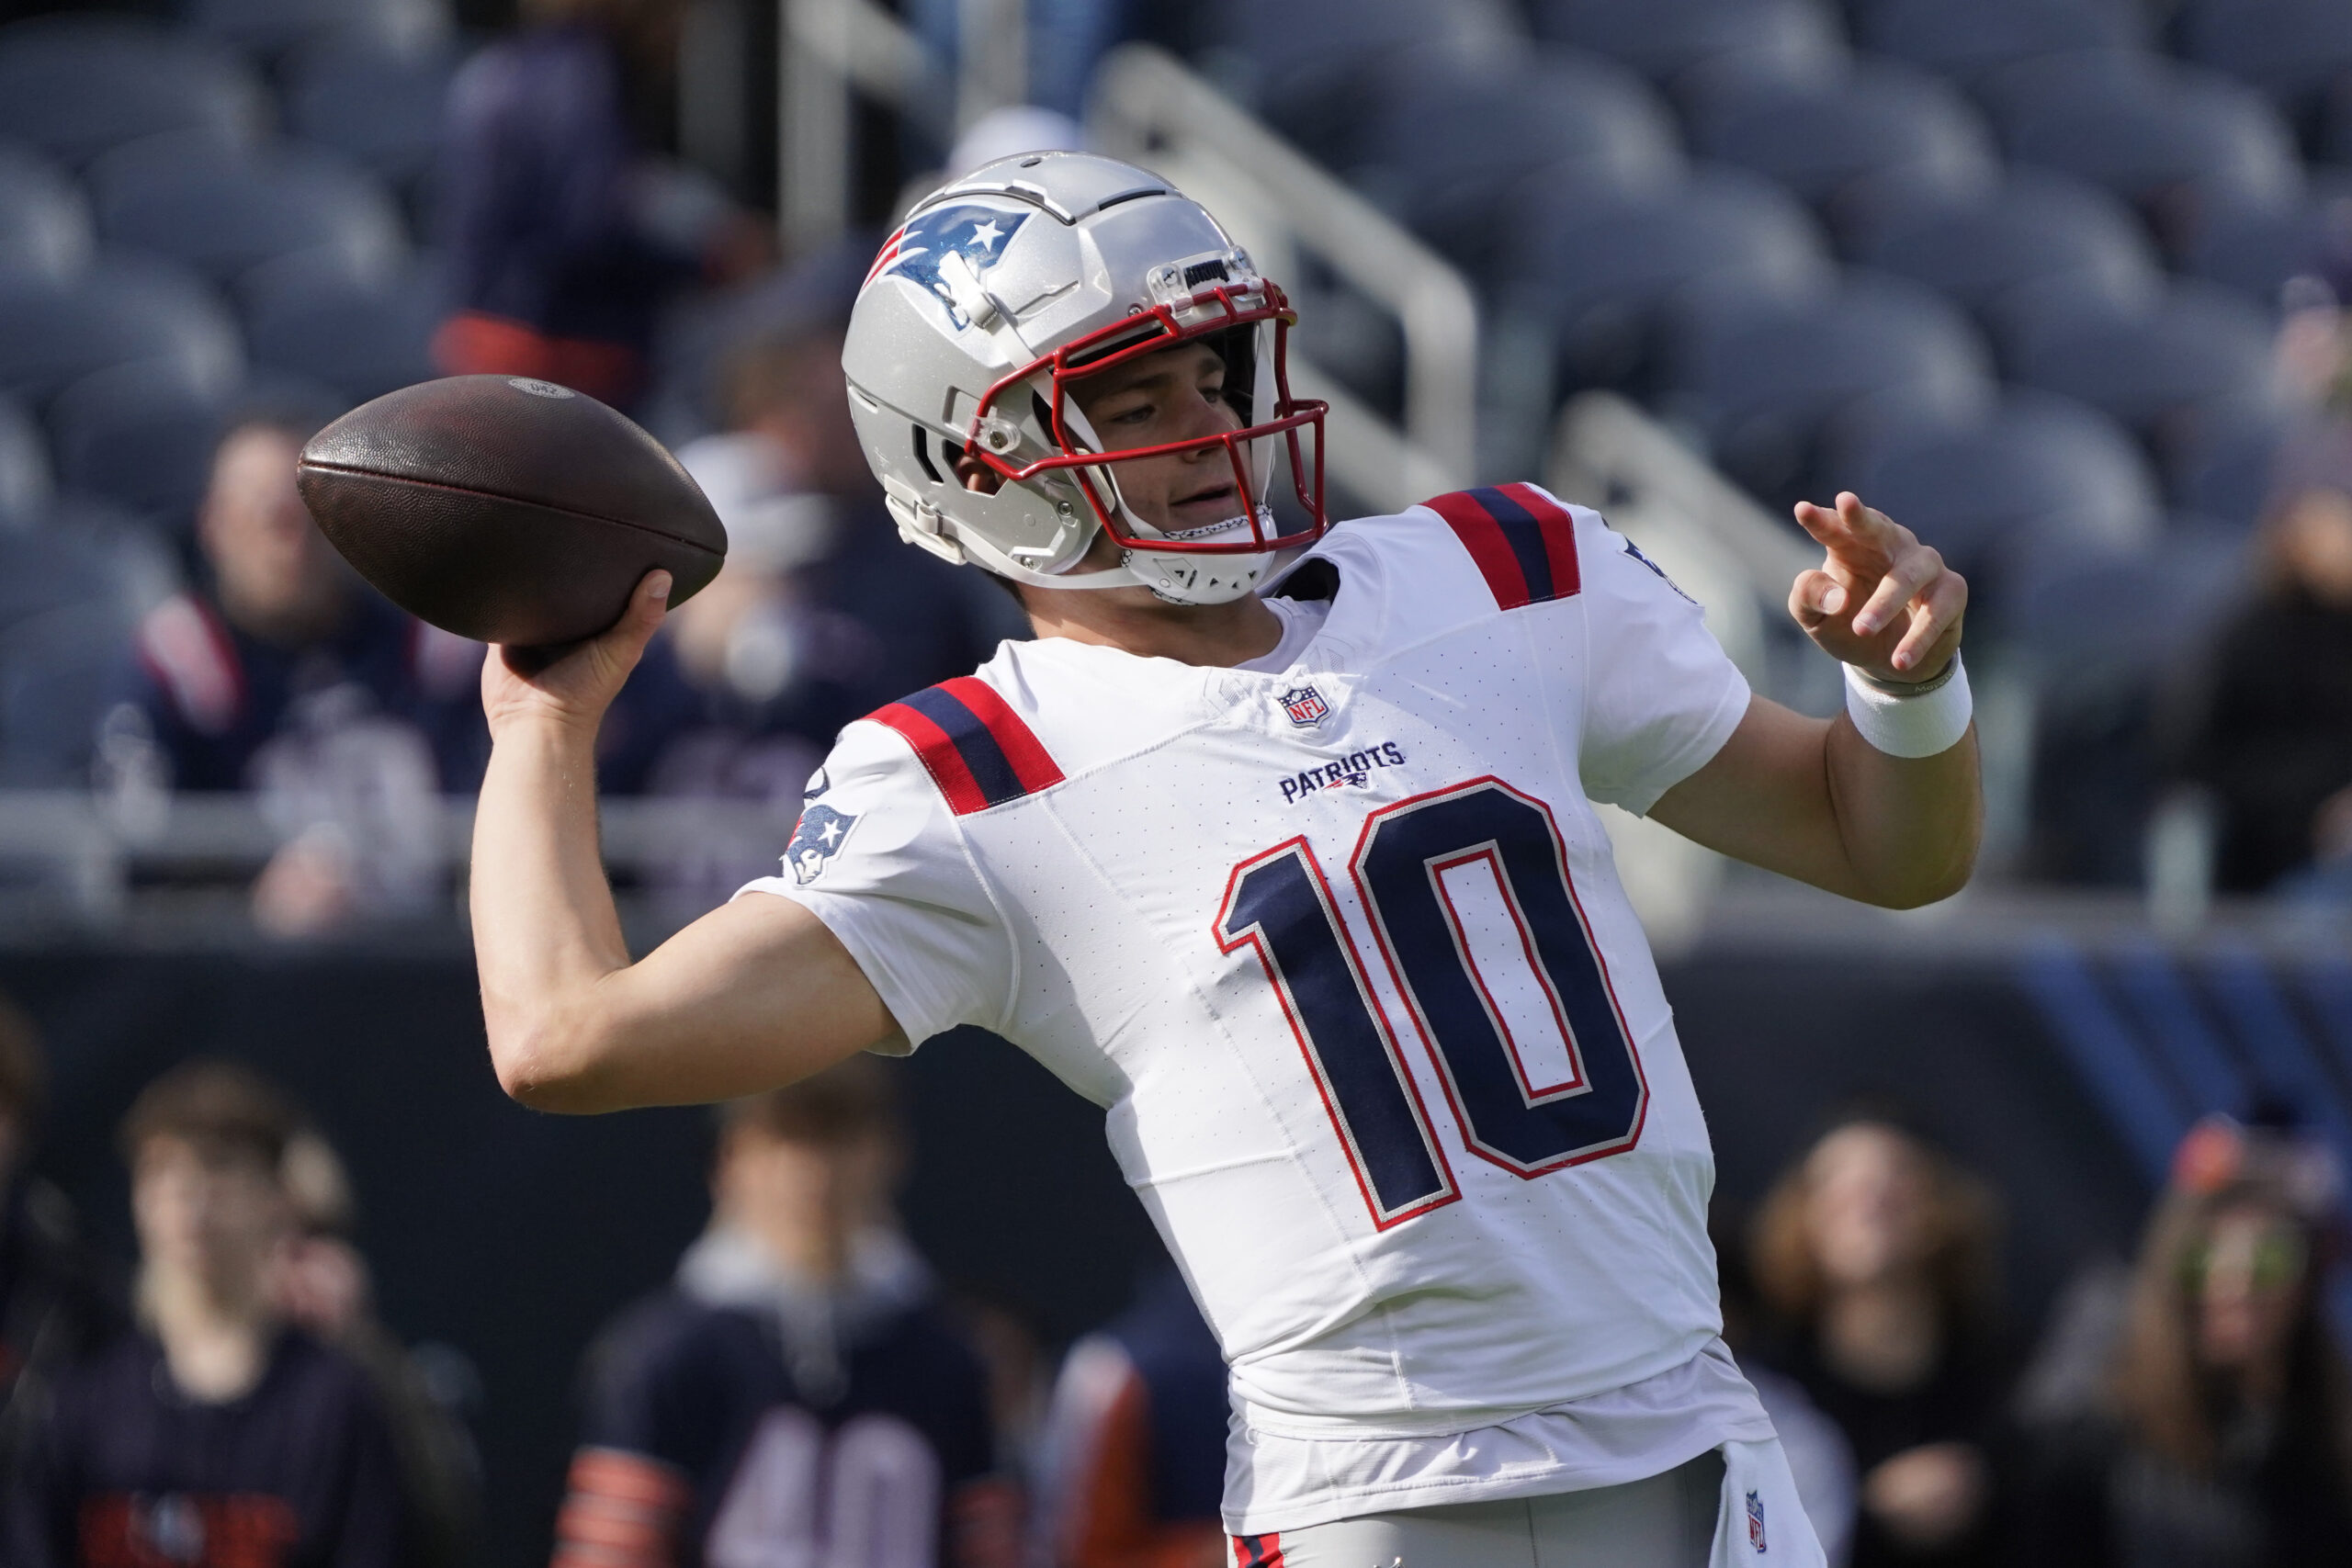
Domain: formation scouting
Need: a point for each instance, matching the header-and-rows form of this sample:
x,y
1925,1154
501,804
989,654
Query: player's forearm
x,y
1909,827
544,927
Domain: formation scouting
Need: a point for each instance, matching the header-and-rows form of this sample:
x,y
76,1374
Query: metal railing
x,y
69,854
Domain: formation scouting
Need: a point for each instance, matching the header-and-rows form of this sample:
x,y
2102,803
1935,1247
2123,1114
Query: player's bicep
x,y
1764,798
756,994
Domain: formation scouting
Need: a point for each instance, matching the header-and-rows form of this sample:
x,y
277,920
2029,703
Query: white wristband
x,y
1921,725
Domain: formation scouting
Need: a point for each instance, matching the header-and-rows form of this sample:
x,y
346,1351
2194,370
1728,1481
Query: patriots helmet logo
x,y
815,839
974,231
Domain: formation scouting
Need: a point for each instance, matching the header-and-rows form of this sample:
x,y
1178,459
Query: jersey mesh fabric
x,y
1382,1257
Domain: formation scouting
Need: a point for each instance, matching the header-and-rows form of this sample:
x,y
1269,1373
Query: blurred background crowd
x,y
806,1388
2061,284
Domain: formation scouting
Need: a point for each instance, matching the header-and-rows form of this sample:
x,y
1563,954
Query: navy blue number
x,y
1525,1127
1278,905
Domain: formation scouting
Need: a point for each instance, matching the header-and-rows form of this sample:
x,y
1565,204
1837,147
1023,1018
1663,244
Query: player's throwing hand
x,y
1881,600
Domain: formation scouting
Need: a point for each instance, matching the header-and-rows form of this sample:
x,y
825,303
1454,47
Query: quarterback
x,y
1277,843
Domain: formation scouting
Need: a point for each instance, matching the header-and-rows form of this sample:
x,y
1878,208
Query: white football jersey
x,y
1342,950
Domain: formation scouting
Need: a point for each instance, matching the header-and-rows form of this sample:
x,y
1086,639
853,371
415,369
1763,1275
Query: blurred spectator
x,y
793,1396
566,233
2214,1427
2268,726
286,675
820,615
53,1306
324,1285
1135,1446
1876,1255
218,1434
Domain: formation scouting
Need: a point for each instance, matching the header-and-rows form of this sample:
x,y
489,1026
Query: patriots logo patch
x,y
817,837
977,233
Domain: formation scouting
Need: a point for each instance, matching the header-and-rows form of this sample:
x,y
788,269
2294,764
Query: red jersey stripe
x,y
940,758
1032,764
1483,538
1559,531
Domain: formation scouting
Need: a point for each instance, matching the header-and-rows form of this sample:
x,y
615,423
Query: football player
x,y
1277,844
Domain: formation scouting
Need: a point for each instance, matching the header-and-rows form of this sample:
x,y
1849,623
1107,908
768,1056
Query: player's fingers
x,y
1938,609
1814,597
1868,523
1909,573
1828,529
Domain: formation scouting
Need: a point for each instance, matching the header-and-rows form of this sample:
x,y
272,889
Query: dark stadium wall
x,y
512,1235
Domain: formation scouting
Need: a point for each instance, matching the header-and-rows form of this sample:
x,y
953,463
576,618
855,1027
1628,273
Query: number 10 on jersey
x,y
1415,866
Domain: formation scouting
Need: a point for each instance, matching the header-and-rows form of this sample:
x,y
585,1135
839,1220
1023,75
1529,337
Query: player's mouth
x,y
1210,503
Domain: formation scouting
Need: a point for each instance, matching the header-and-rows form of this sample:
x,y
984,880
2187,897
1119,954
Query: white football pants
x,y
1733,1508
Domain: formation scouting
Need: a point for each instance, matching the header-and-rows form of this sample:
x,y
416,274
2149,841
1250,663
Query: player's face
x,y
1867,1207
207,1214
2245,1276
267,553
1177,394
806,1198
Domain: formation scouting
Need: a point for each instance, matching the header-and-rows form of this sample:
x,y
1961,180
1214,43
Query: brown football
x,y
505,509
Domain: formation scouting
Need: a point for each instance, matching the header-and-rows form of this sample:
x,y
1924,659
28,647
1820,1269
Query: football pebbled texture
x,y
505,509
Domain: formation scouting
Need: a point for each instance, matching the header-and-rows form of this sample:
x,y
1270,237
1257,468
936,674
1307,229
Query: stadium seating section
x,y
194,217
2014,266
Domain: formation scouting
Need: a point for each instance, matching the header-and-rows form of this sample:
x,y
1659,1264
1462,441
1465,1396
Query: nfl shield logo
x,y
1756,1521
1306,705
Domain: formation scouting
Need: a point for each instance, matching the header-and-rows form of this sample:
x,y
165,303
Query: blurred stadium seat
x,y
1664,39
1767,378
2180,144
24,467
224,210
378,106
313,320
2219,464
1303,63
2037,471
2091,620
138,438
1594,265
2292,49
2146,364
2258,252
1451,136
1964,41
44,222
123,310
2035,225
1846,139
69,596
75,86
269,27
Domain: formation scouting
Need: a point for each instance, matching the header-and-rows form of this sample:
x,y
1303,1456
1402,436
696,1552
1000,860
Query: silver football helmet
x,y
1003,288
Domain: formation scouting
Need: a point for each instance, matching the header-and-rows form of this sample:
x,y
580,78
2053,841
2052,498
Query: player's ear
x,y
975,475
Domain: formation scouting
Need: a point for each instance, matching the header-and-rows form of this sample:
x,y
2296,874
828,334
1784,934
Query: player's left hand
x,y
1881,600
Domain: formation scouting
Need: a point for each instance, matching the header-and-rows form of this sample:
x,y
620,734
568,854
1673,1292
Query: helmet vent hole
x,y
922,456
